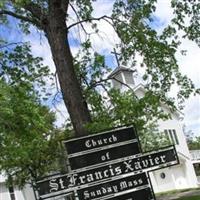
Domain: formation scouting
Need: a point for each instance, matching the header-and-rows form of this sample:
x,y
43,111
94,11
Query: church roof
x,y
120,69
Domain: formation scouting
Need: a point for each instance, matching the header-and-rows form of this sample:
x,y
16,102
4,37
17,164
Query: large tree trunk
x,y
56,33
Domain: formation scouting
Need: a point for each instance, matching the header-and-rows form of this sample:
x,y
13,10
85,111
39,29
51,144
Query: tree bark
x,y
56,33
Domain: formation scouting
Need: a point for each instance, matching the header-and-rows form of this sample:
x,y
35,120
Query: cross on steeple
x,y
116,56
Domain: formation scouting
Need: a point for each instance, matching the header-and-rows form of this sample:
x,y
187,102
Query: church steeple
x,y
121,77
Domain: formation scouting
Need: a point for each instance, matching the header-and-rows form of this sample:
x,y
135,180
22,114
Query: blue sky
x,y
189,64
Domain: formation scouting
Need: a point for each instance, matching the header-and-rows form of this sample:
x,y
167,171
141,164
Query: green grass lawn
x,y
190,198
175,192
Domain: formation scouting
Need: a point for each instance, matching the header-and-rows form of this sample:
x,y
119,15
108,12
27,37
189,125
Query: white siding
x,y
4,194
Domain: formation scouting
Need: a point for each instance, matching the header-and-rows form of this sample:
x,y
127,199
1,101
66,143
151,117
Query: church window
x,y
116,84
162,175
118,81
12,193
129,78
175,136
172,136
166,135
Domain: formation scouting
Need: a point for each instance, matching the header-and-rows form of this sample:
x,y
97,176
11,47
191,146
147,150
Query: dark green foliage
x,y
110,108
187,18
120,109
158,51
18,67
28,140
194,143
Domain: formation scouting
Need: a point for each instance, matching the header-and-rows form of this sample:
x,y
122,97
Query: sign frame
x,y
83,170
96,182
121,185
104,132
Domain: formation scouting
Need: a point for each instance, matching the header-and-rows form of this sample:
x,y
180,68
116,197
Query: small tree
x,y
28,140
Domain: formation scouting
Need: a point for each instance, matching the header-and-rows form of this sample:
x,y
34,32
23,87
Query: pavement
x,y
179,195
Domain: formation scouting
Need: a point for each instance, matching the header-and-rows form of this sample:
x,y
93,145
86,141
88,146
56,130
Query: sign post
x,y
108,165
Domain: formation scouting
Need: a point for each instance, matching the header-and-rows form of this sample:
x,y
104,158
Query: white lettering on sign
x,y
106,156
91,143
72,180
128,166
143,164
98,175
128,184
110,189
56,184
53,186
131,166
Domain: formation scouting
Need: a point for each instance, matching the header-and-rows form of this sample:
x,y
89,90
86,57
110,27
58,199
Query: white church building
x,y
177,177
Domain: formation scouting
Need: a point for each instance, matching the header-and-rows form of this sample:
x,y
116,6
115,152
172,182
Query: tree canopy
x,y
132,22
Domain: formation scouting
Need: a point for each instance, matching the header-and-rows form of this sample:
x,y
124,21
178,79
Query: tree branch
x,y
39,13
104,17
77,18
97,83
124,84
10,44
21,17
35,10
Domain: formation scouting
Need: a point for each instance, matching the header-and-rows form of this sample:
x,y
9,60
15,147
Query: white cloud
x,y
164,11
189,65
105,40
102,7
61,114
192,115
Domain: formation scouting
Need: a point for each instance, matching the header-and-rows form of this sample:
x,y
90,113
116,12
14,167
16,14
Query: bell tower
x,y
122,78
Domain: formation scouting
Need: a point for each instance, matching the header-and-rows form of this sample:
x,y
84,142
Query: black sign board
x,y
93,142
61,184
152,161
103,156
107,165
113,187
